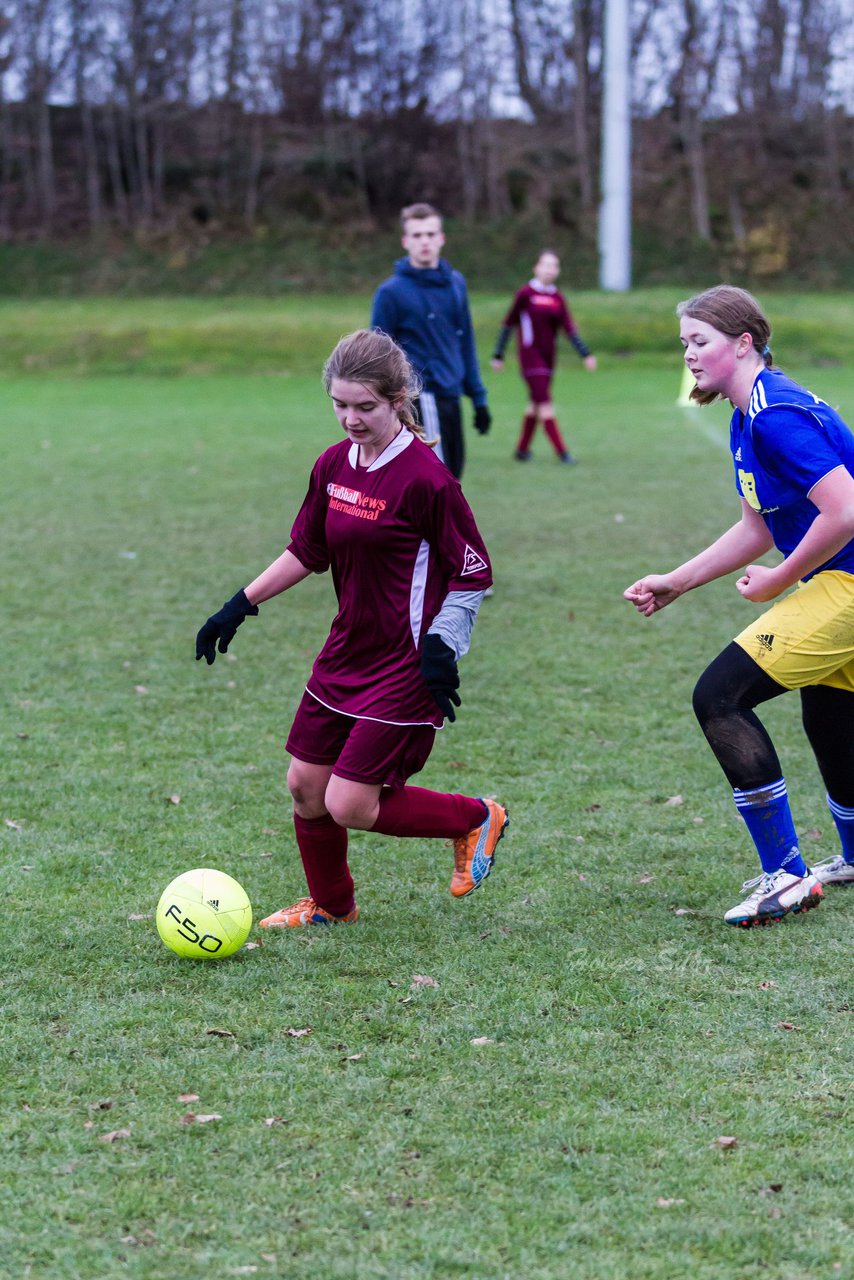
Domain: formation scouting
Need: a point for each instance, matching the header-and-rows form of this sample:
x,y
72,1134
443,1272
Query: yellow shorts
x,y
807,637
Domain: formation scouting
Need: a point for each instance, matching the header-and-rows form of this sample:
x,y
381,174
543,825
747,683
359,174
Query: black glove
x,y
222,626
482,418
439,669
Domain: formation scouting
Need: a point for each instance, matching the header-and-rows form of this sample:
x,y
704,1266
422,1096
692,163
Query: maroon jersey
x,y
539,311
398,536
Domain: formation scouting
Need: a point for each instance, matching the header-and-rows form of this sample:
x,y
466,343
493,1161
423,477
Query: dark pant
x,y
724,698
450,427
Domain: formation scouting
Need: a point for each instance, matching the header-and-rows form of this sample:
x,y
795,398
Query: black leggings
x,y
724,698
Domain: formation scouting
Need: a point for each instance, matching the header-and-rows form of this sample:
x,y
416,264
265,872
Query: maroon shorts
x,y
539,384
368,751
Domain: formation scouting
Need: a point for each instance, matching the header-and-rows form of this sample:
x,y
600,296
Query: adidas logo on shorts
x,y
766,642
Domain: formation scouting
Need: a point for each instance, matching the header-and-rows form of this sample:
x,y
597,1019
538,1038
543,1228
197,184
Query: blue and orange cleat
x,y
305,912
474,854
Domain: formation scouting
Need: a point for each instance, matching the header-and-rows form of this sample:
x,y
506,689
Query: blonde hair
x,y
732,311
373,358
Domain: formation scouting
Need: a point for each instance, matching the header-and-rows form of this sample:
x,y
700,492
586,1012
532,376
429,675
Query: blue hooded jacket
x,y
426,311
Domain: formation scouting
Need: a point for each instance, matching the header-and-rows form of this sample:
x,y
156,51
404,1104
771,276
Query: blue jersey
x,y
786,442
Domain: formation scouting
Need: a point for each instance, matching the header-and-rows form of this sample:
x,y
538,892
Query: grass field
x,y
552,1107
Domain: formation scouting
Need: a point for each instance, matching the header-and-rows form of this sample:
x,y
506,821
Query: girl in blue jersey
x,y
794,472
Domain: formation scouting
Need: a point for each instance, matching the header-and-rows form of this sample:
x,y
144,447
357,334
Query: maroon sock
x,y
413,811
552,430
323,848
529,426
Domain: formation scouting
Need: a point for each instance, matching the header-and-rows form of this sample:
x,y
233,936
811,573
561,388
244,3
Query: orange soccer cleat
x,y
304,912
474,854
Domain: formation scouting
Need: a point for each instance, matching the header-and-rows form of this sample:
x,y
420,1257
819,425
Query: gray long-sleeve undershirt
x,y
455,620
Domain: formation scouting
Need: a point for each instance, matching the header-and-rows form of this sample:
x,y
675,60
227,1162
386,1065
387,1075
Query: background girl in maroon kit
x,y
409,568
540,311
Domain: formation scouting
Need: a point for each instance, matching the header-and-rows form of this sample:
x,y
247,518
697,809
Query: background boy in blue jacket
x,y
424,306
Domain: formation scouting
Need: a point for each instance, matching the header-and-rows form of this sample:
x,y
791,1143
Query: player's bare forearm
x,y
741,543
286,571
731,551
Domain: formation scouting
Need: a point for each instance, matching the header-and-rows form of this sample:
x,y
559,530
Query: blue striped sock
x,y
844,819
769,820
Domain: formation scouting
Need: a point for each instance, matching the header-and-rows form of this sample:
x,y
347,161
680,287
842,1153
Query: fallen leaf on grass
x,y
788,1026
488,934
767,985
188,1097
140,688
138,916
354,1057
813,834
592,808
663,1203
479,1040
173,799
244,1271
772,1189
271,1120
190,1117
219,1031
421,980
725,1143
296,1032
15,826
252,946
646,879
674,800
27,867
684,911
114,1135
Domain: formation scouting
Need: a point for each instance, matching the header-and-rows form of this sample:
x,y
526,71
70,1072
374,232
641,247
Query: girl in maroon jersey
x,y
409,570
539,311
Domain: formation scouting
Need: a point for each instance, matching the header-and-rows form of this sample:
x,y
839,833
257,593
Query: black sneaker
x,y
523,455
568,459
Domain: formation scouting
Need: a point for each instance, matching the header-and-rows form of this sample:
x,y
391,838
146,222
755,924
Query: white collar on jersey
x,y
542,288
401,441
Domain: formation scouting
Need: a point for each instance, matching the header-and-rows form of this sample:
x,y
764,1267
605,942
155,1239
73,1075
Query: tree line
x,y
123,115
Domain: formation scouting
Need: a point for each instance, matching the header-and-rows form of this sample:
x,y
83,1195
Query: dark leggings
x,y
724,698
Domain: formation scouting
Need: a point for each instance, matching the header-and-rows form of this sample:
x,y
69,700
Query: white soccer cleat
x,y
774,896
834,870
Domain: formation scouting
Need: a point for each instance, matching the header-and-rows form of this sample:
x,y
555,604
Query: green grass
x,y
629,1027
286,337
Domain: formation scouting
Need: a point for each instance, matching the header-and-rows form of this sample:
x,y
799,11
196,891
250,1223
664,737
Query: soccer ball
x,y
204,915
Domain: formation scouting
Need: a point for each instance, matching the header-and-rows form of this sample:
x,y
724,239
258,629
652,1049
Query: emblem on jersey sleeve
x,y
472,562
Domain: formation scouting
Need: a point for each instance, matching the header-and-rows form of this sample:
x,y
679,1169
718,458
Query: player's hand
x,y
590,363
496,364
654,592
441,676
221,626
758,583
482,418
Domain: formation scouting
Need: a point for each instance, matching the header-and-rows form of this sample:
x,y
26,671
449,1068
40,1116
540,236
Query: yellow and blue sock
x,y
768,817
